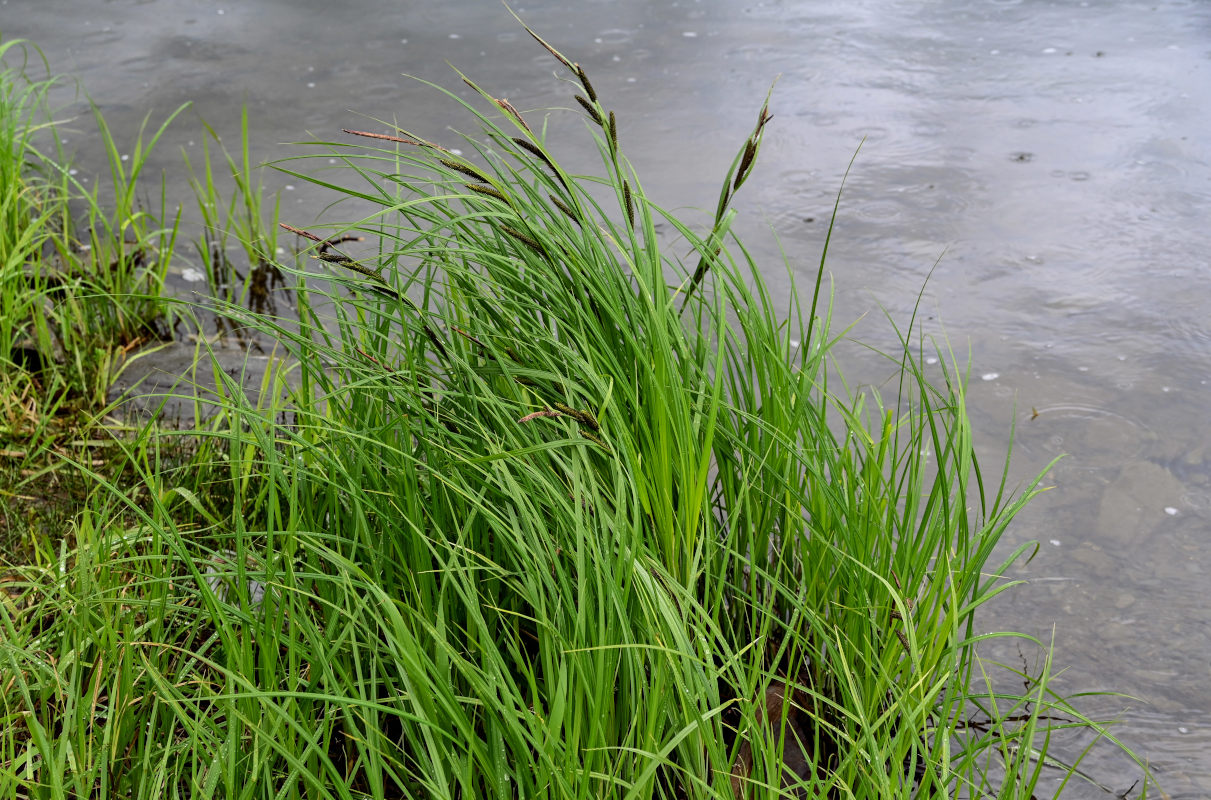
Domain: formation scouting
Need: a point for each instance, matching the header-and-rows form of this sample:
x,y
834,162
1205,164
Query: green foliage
x,y
532,507
241,222
82,273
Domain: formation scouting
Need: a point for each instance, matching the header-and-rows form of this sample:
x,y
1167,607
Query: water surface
x,y
1053,159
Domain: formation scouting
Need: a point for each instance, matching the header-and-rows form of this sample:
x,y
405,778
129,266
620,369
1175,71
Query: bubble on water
x,y
72,171
689,34
990,376
1171,511
290,187
1182,729
221,12
931,360
630,80
456,36
615,36
310,84
192,275
125,157
454,151
994,52
1049,50
1055,542
281,251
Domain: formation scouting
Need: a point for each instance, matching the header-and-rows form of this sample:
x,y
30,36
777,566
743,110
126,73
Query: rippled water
x,y
1055,156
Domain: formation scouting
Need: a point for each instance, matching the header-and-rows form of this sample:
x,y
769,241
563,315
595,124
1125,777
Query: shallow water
x,y
1053,158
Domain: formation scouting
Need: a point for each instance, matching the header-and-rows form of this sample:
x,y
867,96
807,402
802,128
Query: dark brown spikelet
x,y
594,114
626,196
566,209
584,81
613,131
509,109
524,238
750,147
763,116
596,441
490,191
465,169
746,162
537,152
588,419
533,150
583,417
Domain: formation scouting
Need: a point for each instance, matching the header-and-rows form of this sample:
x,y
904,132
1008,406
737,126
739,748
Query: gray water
x,y
1052,158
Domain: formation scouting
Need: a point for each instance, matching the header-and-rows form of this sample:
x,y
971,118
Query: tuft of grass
x,y
111,257
82,297
243,221
534,505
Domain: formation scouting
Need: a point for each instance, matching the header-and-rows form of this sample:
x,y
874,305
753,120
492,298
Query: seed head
x,y
465,169
567,210
584,81
524,238
594,114
490,191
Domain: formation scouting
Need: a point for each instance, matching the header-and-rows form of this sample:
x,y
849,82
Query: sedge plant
x,y
536,505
